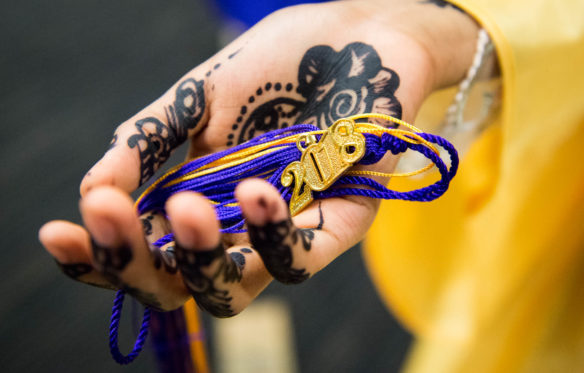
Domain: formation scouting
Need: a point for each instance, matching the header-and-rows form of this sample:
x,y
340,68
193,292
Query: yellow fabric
x,y
490,278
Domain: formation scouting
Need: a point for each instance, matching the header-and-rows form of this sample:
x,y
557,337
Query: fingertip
x,y
260,202
193,220
47,232
109,215
105,198
65,241
111,170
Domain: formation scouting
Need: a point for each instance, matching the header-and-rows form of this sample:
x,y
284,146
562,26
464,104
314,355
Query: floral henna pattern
x,y
111,261
189,105
203,286
77,271
155,140
274,242
331,85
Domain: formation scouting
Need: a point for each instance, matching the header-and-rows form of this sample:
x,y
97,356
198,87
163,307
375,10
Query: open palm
x,y
309,64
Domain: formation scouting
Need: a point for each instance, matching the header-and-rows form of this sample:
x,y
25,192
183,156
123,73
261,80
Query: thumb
x,y
144,142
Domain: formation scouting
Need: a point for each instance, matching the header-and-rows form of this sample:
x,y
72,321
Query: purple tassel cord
x,y
220,187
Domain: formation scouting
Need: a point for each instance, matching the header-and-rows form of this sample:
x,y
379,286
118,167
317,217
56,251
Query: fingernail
x,y
105,233
187,239
262,211
272,210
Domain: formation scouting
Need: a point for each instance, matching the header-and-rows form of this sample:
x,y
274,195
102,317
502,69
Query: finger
x,y
222,282
121,253
144,142
69,244
290,254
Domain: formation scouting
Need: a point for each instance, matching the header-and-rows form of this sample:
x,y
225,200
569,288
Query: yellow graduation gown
x,y
490,278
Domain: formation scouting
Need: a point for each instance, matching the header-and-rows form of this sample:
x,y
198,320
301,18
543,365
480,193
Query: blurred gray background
x,y
70,71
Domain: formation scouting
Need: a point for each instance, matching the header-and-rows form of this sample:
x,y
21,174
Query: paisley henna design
x,y
331,85
203,288
155,140
274,243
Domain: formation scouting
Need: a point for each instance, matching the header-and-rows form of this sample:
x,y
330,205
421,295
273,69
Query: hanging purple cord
x,y
114,325
220,186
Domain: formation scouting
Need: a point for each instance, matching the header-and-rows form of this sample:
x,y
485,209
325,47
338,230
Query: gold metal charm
x,y
322,163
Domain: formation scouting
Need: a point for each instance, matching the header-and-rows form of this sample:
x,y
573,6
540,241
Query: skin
x,y
420,45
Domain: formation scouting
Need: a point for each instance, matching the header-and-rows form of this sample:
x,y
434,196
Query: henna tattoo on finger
x,y
165,258
111,261
189,105
331,85
78,272
155,140
147,224
275,242
238,259
75,270
144,297
204,286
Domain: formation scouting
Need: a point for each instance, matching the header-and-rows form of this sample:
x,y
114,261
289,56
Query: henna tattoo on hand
x,y
155,140
441,4
147,224
234,53
309,232
331,85
75,270
203,287
165,258
238,259
274,242
189,105
147,299
111,261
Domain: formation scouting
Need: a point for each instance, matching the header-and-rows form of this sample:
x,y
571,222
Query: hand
x,y
306,64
